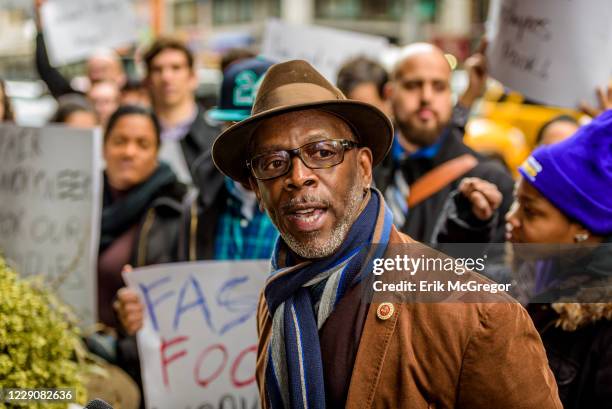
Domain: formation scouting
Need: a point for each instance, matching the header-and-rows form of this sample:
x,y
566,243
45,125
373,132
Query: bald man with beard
x,y
428,158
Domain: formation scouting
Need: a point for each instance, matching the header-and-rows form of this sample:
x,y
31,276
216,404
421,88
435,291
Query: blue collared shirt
x,y
243,232
398,153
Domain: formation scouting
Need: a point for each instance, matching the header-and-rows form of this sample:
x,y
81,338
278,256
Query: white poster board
x,y
325,48
50,185
554,52
74,29
199,341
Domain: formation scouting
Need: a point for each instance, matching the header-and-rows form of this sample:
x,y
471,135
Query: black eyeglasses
x,y
315,155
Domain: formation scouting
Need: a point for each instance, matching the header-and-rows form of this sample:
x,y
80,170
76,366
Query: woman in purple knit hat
x,y
564,197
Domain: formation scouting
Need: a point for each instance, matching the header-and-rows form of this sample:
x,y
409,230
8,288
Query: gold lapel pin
x,y
385,311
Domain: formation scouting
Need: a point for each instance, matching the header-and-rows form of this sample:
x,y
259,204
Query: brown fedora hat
x,y
296,86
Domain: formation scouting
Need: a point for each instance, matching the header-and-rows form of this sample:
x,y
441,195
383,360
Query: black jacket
x,y
423,219
578,337
197,148
57,84
160,228
202,210
581,359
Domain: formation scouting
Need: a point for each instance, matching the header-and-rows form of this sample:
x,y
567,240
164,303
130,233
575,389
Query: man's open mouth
x,y
306,216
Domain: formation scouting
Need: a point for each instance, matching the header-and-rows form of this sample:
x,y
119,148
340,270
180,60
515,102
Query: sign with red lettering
x,y
199,342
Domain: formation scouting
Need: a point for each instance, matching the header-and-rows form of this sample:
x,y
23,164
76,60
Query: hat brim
x,y
374,130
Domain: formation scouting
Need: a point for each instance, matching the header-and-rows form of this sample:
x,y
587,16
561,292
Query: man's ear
x,y
364,161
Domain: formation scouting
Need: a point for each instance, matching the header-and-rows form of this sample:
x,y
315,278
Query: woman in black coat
x,y
142,202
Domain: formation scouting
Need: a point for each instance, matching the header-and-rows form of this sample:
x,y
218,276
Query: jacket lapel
x,y
374,344
373,347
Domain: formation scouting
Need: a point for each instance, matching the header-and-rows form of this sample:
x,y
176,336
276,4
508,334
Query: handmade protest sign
x,y
75,29
554,52
325,48
50,183
199,341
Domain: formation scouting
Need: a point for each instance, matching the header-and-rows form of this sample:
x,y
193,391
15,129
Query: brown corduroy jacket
x,y
442,356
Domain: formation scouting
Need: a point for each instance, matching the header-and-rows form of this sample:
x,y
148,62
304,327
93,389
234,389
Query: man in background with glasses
x,y
308,154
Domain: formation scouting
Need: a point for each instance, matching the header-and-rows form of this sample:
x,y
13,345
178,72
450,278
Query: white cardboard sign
x,y
554,52
75,29
325,48
50,184
199,341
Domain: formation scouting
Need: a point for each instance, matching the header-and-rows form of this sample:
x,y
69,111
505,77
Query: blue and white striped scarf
x,y
301,297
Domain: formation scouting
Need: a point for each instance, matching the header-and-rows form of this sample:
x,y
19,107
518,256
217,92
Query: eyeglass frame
x,y
346,144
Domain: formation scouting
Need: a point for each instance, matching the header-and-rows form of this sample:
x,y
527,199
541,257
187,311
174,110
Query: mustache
x,y
315,201
427,106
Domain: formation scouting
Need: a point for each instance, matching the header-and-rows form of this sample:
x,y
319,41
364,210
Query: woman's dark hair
x,y
69,104
6,102
559,118
133,110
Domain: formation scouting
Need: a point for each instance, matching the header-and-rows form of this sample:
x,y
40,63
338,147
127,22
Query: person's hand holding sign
x,y
604,96
37,5
477,69
130,309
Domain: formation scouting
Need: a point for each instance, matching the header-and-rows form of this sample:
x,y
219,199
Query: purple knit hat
x,y
575,175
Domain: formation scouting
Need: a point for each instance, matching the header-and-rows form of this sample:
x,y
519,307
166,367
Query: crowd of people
x,y
290,167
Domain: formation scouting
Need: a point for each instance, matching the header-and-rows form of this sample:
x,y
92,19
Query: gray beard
x,y
310,245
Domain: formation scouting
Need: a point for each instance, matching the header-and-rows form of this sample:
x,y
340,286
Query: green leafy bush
x,y
38,344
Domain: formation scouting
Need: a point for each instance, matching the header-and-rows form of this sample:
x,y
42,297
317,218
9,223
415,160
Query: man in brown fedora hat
x,y
308,154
